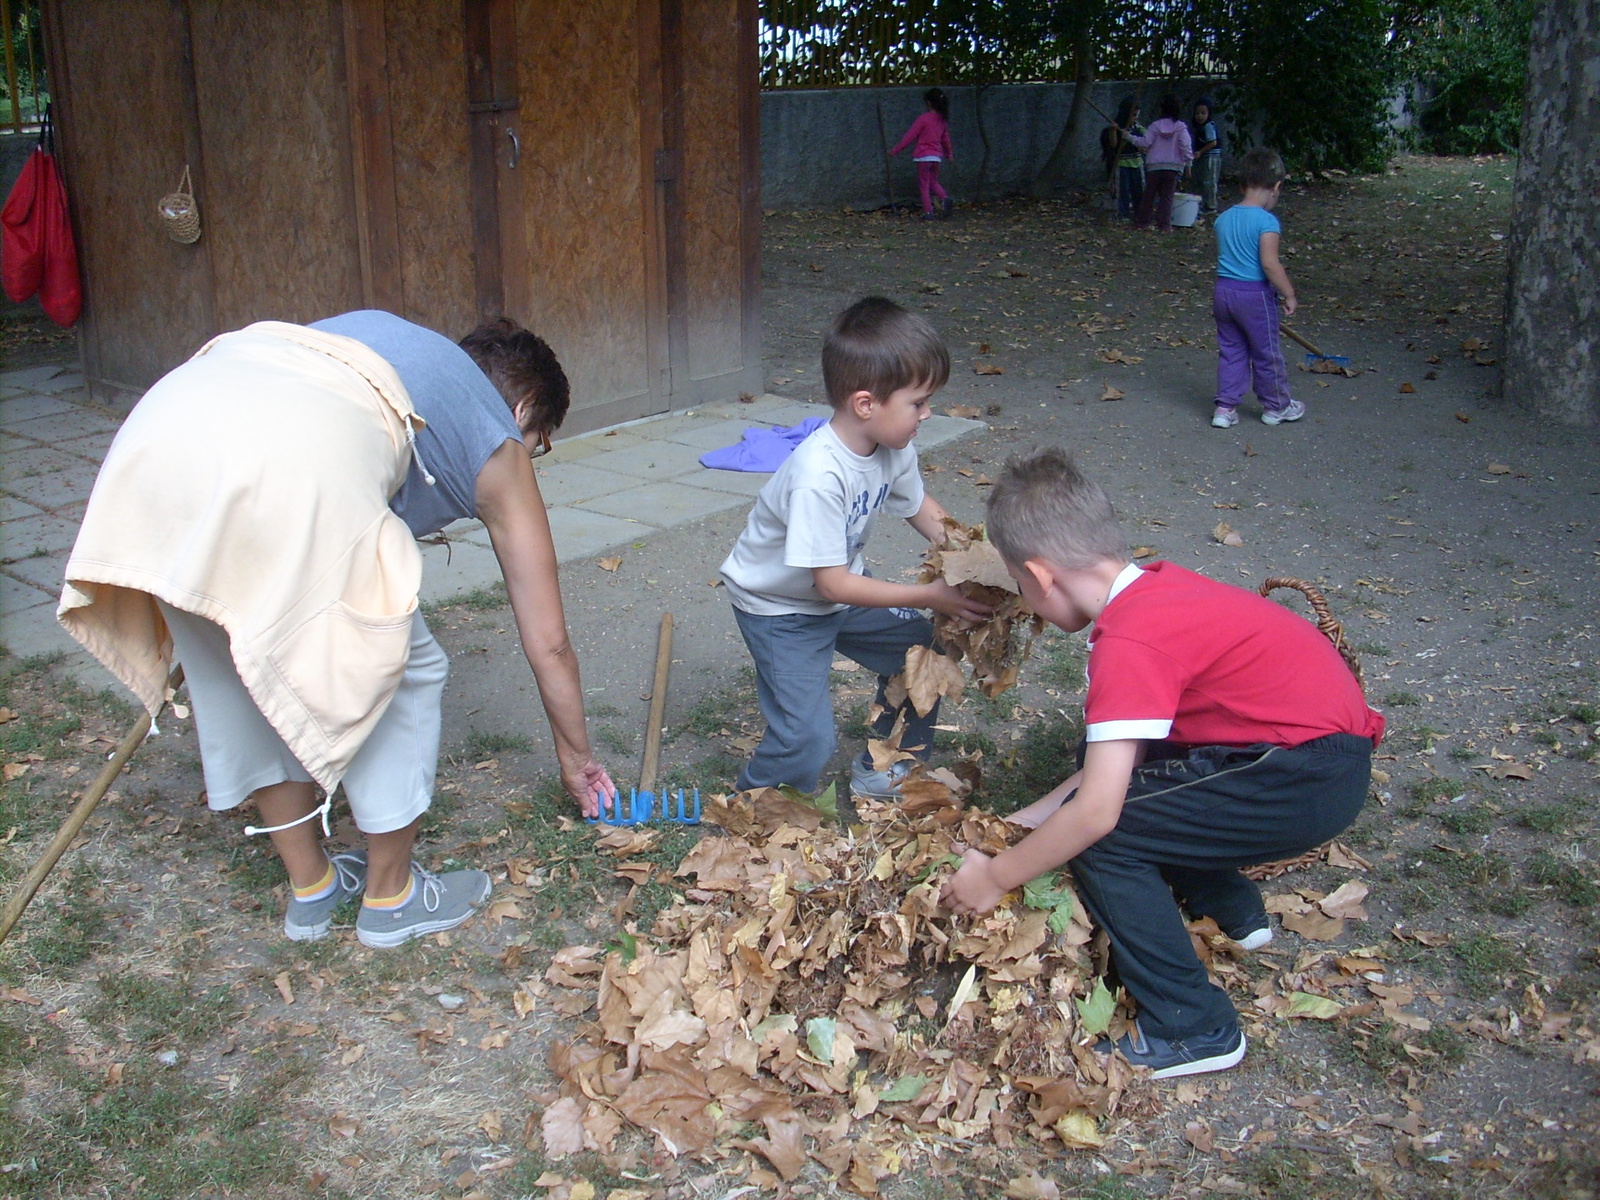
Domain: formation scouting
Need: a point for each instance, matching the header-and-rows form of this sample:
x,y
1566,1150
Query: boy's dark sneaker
x,y
1253,936
310,920
1214,1051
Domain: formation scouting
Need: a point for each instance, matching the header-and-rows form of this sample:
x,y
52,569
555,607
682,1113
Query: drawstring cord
x,y
320,811
416,454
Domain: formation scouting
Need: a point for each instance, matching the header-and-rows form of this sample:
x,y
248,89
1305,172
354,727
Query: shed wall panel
x,y
586,209
711,187
274,118
432,161
147,297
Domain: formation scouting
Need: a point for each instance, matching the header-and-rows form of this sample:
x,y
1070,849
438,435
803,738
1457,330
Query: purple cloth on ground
x,y
764,448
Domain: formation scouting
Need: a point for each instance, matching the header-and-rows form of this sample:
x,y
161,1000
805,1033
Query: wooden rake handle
x,y
658,707
1302,339
131,741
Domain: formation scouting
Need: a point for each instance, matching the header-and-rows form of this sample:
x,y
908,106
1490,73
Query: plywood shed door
x,y
564,97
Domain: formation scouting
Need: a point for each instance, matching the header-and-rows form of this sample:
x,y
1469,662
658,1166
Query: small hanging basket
x,y
180,213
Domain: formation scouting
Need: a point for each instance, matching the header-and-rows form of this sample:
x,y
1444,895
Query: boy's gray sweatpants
x,y
793,654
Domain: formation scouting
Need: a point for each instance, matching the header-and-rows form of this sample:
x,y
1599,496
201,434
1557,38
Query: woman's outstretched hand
x,y
590,786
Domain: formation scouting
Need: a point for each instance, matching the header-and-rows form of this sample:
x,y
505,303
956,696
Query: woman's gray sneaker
x,y
309,920
437,903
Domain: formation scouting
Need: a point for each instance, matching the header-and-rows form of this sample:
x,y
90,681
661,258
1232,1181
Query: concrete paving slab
x,y
17,596
794,412
938,430
449,571
13,509
16,413
587,444
67,381
93,447
35,631
580,534
713,435
740,483
571,483
51,486
649,462
69,422
40,531
665,504
45,571
26,377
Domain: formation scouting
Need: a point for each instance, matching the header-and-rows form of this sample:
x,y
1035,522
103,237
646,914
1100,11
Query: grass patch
x,y
1047,754
481,744
1483,963
1564,877
614,741
716,711
1425,793
482,599
1450,1046
1468,819
604,710
156,1011
1558,816
1402,699
76,929
1375,648
1061,665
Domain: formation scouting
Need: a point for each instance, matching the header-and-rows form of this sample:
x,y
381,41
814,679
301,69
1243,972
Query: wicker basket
x,y
180,213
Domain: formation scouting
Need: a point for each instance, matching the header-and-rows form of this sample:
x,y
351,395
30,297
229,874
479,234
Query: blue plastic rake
x,y
639,808
643,802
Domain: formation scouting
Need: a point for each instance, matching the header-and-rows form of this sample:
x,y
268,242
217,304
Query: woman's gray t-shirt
x,y
466,418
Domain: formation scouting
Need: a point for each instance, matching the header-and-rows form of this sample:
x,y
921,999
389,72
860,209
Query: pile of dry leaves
x,y
794,988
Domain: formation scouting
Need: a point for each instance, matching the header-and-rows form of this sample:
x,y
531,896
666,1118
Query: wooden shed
x,y
587,167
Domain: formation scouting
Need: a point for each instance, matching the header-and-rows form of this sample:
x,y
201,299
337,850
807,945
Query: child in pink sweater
x,y
931,134
1168,149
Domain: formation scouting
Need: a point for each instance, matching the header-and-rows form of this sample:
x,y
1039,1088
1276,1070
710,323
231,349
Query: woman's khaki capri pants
x,y
390,780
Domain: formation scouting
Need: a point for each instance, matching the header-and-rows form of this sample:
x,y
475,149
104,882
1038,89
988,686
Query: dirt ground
x,y
159,1038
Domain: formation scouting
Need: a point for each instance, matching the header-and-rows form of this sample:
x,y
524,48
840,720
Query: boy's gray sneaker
x,y
1293,411
878,785
309,920
437,903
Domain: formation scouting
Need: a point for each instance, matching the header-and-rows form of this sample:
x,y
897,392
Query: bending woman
x,y
256,518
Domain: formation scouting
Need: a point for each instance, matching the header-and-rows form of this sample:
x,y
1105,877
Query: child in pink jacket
x,y
1168,149
931,134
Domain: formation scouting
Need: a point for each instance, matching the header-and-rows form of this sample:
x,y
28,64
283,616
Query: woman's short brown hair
x,y
522,368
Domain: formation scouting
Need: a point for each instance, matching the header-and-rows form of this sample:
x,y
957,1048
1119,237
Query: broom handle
x,y
1295,334
31,883
658,707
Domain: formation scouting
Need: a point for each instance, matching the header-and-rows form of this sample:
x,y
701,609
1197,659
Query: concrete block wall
x,y
823,149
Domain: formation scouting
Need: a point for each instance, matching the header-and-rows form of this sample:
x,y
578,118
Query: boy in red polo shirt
x,y
1222,731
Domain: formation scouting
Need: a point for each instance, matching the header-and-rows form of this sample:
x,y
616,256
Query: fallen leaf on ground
x,y
1111,393
1033,1186
1407,389
1199,1135
1495,468
1345,901
988,369
285,989
1307,1004
1313,925
562,1127
964,410
610,564
344,1126
1227,534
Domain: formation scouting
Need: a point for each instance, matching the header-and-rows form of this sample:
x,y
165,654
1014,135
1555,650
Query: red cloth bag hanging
x,y
37,253
22,245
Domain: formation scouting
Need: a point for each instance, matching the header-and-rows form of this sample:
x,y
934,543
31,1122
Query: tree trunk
x,y
1552,334
1055,168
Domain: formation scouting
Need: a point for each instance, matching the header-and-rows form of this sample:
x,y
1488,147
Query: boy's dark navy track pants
x,y
1192,819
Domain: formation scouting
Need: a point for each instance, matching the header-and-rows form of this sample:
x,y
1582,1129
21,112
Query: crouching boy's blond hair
x,y
1043,507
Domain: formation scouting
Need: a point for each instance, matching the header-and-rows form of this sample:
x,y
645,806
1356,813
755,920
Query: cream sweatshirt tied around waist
x,y
251,486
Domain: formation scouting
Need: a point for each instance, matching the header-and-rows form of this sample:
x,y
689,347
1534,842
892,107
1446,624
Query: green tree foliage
x,y
1470,56
1315,78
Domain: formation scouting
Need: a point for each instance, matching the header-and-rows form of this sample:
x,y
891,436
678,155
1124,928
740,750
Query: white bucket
x,y
1185,208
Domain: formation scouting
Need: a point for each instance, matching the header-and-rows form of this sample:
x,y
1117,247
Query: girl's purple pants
x,y
1247,344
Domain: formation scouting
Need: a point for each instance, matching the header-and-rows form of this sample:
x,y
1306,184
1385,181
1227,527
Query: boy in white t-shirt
x,y
797,576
